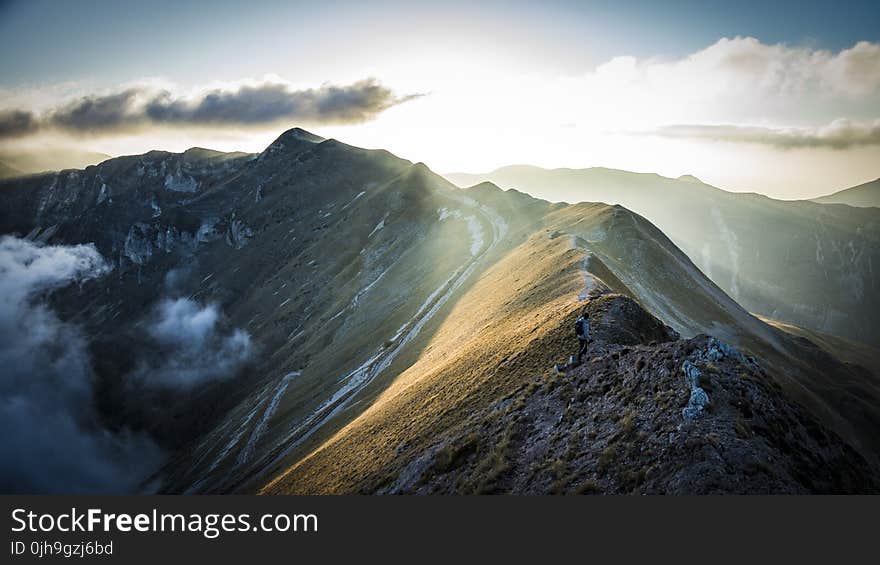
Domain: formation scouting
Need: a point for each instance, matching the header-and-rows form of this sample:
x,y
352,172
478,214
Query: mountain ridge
x,y
742,241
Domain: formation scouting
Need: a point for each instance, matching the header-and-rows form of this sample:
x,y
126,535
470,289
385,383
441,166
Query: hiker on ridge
x,y
582,330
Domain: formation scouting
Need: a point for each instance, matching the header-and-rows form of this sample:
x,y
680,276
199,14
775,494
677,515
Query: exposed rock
x,y
717,350
138,243
615,318
104,194
180,182
238,234
698,398
208,231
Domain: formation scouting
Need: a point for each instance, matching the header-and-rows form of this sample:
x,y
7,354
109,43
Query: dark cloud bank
x,y
263,104
53,440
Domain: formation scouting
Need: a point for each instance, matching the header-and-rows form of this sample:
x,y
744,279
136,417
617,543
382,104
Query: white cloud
x,y
736,80
194,347
28,269
53,440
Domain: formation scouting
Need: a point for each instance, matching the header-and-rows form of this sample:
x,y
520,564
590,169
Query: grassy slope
x,y
414,254
507,329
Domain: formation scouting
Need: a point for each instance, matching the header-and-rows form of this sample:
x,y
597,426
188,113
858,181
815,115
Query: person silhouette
x,y
582,330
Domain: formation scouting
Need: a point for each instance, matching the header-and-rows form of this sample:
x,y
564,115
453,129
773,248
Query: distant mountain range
x,y
321,318
798,262
7,171
14,163
863,196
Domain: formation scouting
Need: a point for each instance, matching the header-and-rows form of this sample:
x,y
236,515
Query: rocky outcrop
x,y
238,234
645,413
138,247
616,318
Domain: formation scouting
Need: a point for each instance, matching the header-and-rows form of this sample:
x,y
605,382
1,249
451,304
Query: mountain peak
x,y
690,178
420,175
418,171
295,140
300,135
486,185
201,153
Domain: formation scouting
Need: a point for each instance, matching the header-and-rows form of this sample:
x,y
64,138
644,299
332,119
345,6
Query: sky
x,y
781,98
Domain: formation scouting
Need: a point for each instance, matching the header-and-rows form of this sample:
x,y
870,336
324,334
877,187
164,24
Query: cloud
x,y
855,70
736,80
92,114
781,69
248,105
193,346
839,134
53,440
17,123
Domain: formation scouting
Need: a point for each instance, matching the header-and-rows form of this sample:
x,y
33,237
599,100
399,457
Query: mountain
x,y
862,196
798,262
7,171
324,318
51,159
